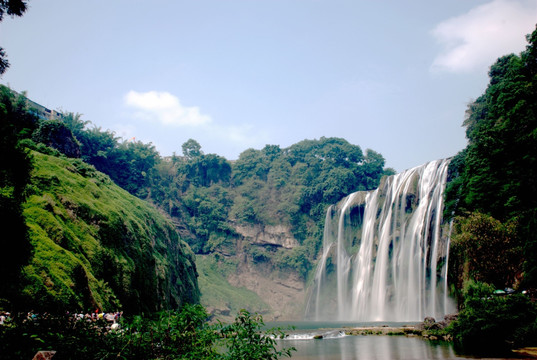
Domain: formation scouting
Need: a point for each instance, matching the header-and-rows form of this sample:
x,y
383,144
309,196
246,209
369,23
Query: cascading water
x,y
384,252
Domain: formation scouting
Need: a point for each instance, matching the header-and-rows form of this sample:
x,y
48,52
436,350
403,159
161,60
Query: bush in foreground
x,y
170,335
492,323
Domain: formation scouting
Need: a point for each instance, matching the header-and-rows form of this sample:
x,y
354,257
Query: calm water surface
x,y
370,347
336,346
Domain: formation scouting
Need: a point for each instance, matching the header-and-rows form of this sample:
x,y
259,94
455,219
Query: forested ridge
x,y
206,195
492,198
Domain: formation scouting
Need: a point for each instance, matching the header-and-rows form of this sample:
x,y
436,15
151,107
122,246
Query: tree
x,y
12,8
205,170
57,135
487,249
191,149
245,339
495,174
15,167
21,119
488,323
75,122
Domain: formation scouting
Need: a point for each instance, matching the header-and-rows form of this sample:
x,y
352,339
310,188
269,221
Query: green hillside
x,y
97,246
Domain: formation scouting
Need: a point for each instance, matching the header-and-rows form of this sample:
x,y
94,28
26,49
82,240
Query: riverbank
x,y
428,332
384,330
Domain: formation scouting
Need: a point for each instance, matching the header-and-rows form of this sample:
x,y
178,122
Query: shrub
x,y
489,322
184,334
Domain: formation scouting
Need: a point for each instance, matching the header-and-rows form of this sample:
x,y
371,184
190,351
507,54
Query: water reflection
x,y
371,348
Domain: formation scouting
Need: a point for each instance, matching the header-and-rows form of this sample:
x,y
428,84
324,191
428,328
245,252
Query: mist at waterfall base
x,y
386,252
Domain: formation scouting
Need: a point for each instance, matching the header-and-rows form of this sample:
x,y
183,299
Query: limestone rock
x,y
44,355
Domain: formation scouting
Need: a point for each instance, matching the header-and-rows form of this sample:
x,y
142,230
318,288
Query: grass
x,y
95,245
219,294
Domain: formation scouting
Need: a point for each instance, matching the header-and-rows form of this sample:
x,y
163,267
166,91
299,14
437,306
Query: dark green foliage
x,y
208,212
128,163
496,173
191,149
492,193
12,8
16,114
57,135
209,196
15,167
488,323
499,165
486,250
206,170
168,335
297,259
245,340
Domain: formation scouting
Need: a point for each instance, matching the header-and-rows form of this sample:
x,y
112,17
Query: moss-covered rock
x,y
97,246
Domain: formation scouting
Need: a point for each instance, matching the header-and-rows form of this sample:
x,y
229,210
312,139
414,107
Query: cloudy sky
x,y
393,76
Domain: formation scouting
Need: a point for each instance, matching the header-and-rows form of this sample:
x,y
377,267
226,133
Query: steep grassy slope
x,y
223,300
95,245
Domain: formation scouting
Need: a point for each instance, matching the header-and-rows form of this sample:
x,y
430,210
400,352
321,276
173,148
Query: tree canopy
x,y
495,174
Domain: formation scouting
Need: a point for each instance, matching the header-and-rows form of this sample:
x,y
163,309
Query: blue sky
x,y
392,76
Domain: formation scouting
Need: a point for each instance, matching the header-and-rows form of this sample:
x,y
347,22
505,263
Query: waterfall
x,y
385,252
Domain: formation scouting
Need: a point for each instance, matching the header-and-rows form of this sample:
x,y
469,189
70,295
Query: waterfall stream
x,y
385,252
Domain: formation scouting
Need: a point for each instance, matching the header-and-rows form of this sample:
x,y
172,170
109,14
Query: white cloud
x,y
164,108
476,39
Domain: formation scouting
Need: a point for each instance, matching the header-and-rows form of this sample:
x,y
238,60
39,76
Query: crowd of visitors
x,y
112,318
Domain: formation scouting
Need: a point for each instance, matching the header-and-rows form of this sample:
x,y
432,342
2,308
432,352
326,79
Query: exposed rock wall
x,y
278,235
283,291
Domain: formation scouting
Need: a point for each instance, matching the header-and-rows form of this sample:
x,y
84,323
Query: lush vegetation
x,y
218,293
492,323
100,246
291,186
206,196
493,196
184,334
79,241
496,172
15,167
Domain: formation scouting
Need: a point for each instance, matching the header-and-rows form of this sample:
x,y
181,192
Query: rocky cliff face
x,y
275,235
281,291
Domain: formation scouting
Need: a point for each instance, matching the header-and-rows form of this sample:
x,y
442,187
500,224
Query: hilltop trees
x,y
57,135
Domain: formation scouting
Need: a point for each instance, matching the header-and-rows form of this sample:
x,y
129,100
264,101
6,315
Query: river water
x,y
369,347
335,345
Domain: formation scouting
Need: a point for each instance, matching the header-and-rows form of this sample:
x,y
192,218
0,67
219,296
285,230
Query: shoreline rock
x,y
429,329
